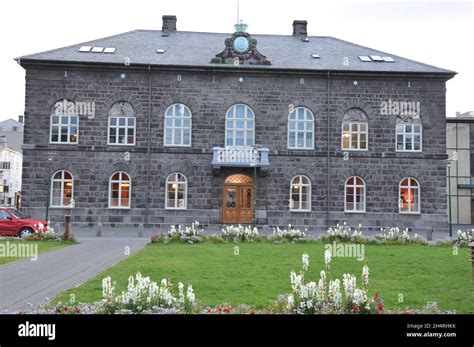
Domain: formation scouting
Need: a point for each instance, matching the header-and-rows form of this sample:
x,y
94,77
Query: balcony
x,y
240,157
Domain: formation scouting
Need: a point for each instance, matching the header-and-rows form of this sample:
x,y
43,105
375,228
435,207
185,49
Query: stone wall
x,y
209,95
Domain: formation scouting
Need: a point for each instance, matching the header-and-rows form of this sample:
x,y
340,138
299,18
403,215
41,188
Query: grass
x,y
415,273
43,247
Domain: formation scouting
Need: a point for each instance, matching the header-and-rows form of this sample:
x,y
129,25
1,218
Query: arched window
x,y
355,130
120,187
300,194
301,129
62,192
354,194
176,191
409,196
122,124
178,126
409,135
64,122
240,126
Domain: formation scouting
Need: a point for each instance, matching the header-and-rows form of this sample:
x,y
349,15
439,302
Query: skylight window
x,y
97,49
160,51
315,56
109,50
376,58
364,58
388,59
85,49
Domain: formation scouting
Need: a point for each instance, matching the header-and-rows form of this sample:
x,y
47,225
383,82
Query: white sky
x,y
433,32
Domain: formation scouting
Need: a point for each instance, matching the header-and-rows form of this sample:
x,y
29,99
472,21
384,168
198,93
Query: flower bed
x,y
189,234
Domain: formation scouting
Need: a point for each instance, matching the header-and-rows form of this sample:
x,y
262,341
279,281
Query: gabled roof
x,y
196,49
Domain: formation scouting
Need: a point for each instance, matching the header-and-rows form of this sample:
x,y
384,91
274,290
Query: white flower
x,y
305,261
365,275
327,257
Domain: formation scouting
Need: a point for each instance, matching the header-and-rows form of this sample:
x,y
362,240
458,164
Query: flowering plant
x,y
144,294
326,297
464,237
239,233
393,235
42,233
343,233
291,234
190,234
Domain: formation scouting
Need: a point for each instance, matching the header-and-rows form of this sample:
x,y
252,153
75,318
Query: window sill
x,y
411,213
300,211
357,212
121,144
175,209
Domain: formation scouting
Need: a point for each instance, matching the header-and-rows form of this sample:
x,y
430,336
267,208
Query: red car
x,y
13,223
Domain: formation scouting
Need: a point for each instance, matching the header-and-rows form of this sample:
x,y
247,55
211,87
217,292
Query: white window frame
x,y
126,127
230,115
358,132
307,123
298,208
170,113
173,179
120,181
405,135
62,181
354,187
69,125
409,187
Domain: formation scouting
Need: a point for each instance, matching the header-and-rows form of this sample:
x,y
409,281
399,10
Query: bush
x,y
325,297
240,233
393,236
343,233
189,234
290,234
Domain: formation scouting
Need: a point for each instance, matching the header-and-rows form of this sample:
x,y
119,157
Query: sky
x,y
439,33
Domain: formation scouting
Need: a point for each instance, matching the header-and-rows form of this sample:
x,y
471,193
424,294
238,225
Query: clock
x,y
241,44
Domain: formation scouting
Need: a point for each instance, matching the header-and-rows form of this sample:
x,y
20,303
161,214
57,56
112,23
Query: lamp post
x,y
449,200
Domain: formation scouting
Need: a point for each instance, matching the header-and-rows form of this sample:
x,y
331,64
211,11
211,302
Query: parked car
x,y
14,223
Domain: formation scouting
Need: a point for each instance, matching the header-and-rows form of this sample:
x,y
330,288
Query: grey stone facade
x,y
209,93
209,96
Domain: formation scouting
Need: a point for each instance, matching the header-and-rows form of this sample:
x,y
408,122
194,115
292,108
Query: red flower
x,y
379,307
355,308
78,310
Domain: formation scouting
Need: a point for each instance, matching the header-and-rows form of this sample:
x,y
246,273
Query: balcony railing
x,y
240,156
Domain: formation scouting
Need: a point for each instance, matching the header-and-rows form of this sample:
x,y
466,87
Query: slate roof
x,y
196,49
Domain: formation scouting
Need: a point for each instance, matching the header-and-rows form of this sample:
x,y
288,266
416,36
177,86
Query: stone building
x,y
163,127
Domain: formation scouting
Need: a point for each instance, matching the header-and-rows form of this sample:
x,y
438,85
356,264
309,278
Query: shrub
x,y
393,236
189,234
240,233
343,233
290,234
325,296
464,238
42,233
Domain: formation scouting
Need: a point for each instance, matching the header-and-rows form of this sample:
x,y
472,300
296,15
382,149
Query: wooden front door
x,y
238,200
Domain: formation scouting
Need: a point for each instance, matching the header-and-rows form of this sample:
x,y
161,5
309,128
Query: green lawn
x,y
43,247
261,271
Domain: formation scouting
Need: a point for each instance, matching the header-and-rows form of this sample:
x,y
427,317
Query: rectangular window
x,y
122,131
409,138
64,129
354,136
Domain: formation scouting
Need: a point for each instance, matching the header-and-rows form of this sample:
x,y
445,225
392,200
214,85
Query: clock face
x,y
241,44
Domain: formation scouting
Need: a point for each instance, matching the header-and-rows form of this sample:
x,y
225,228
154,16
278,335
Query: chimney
x,y
169,23
300,28
21,119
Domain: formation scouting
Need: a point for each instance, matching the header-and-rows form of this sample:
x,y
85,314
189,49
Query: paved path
x,y
27,281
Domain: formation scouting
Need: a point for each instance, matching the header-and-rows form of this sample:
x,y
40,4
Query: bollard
x,y
471,245
429,235
140,230
99,229
67,228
